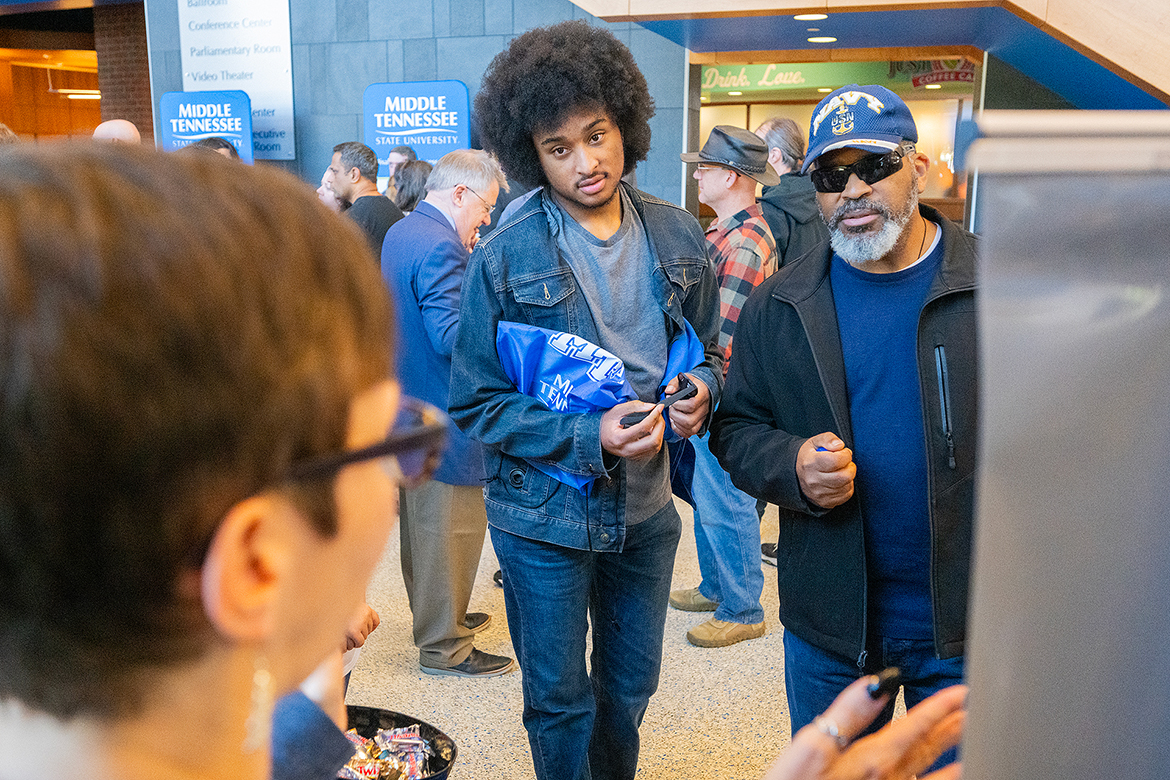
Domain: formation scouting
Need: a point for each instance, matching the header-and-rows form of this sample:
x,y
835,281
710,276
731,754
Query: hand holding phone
x,y
686,389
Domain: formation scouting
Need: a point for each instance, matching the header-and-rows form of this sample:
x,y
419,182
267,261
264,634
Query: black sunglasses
x,y
870,169
414,445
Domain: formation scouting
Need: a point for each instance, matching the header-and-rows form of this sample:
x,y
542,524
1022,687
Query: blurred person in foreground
x,y
832,748
200,446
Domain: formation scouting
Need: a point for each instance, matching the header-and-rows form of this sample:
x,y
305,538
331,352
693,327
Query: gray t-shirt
x,y
616,278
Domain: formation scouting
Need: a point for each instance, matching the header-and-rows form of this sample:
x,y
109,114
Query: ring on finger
x,y
829,728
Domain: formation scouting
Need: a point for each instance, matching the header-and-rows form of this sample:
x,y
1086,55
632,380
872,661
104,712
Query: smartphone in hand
x,y
686,388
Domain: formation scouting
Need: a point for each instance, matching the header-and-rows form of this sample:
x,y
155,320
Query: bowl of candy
x,y
392,746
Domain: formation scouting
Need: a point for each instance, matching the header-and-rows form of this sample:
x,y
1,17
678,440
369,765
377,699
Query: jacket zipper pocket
x,y
944,401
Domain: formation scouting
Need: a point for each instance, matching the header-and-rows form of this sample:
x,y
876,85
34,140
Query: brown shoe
x,y
719,633
690,600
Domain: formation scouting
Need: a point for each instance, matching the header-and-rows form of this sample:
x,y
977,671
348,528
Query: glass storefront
x,y
939,93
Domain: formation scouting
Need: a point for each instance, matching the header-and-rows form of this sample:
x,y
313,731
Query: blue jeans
x,y
813,677
727,537
583,725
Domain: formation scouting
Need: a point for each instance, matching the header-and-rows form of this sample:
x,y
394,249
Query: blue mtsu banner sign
x,y
191,116
431,117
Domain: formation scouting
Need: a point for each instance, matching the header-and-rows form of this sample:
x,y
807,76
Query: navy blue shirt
x,y
878,319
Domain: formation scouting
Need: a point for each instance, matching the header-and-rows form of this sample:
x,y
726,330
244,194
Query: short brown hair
x,y
357,155
174,333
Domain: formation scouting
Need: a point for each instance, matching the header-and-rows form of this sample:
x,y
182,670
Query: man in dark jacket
x,y
790,207
851,404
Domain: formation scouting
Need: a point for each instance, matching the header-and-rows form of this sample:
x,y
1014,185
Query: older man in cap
x,y
852,406
727,526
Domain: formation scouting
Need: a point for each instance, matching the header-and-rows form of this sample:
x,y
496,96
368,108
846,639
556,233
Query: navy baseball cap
x,y
870,117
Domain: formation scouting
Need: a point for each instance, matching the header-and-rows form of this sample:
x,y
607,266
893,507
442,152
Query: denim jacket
x,y
518,275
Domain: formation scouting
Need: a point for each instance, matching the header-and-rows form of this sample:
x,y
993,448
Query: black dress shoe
x,y
498,578
478,664
476,621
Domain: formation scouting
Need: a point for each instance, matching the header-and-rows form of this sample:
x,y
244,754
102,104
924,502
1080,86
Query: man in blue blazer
x,y
442,521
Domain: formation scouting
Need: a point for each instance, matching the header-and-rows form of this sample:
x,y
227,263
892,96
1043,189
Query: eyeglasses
x,y
411,451
703,167
870,169
489,208
412,448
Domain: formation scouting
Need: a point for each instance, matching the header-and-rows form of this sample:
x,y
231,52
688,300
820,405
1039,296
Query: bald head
x,y
118,130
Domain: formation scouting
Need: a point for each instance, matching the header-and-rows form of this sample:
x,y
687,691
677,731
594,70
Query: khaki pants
x,y
442,529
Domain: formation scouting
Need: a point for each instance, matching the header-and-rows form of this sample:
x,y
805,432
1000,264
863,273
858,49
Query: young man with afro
x,y
566,108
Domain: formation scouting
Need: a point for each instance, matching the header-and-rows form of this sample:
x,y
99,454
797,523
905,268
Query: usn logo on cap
x,y
843,123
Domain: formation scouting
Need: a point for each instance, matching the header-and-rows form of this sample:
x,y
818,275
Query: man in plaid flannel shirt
x,y
727,526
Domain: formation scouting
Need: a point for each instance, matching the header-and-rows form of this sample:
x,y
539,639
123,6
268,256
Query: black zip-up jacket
x,y
786,382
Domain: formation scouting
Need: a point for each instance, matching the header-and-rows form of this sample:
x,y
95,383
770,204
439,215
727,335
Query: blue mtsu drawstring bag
x,y
570,374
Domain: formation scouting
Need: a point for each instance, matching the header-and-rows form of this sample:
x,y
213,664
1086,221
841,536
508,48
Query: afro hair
x,y
548,73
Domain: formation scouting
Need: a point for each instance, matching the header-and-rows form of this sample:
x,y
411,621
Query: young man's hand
x,y
638,442
688,415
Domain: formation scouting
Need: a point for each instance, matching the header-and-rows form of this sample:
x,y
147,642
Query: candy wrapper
x,y
393,754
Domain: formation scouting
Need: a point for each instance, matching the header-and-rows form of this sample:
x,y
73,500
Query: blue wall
x,y
342,46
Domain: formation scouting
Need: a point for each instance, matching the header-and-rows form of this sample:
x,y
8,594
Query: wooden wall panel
x,y
1134,34
604,8
40,114
6,93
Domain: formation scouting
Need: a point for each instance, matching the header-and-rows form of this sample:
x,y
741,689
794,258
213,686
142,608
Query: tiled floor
x,y
718,713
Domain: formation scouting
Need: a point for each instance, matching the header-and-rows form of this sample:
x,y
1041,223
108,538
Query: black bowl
x,y
367,721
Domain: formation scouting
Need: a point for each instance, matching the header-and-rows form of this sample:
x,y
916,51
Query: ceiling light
x,y
934,86
825,89
84,97
79,92
734,93
822,39
810,17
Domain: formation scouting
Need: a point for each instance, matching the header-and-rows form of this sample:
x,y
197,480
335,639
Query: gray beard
x,y
859,249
